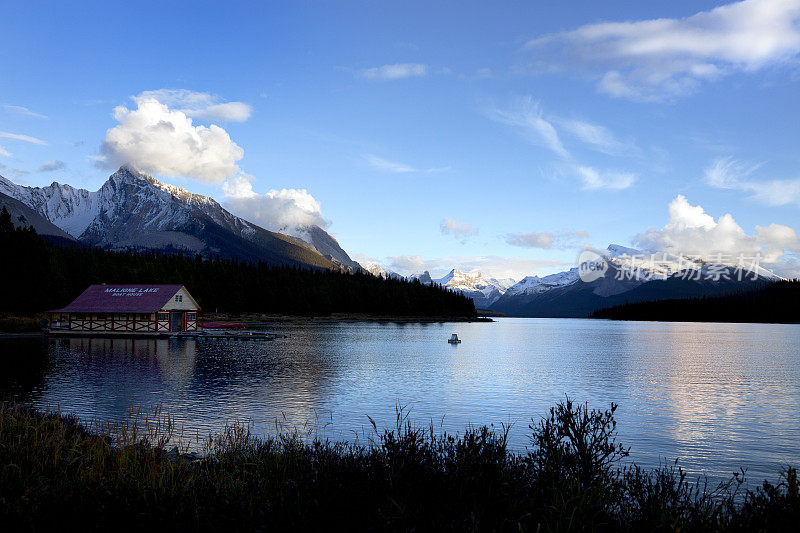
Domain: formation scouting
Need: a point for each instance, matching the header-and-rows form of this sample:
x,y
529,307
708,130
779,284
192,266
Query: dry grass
x,y
56,473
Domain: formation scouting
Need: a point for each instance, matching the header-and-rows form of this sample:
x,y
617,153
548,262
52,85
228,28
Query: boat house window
x,y
163,317
178,298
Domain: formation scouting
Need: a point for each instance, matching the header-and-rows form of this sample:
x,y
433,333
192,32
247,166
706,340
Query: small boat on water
x,y
454,339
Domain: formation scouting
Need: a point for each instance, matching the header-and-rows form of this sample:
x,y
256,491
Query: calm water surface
x,y
716,396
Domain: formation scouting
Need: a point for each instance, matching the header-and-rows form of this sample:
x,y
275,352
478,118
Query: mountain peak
x,y
127,174
615,250
7,186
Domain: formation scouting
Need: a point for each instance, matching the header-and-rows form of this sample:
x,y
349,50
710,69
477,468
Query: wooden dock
x,y
237,335
217,335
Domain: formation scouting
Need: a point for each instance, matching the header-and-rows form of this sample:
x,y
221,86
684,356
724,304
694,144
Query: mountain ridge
x,y
134,210
632,275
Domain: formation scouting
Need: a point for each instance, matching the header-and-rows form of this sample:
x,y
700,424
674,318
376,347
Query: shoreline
x,y
259,318
62,472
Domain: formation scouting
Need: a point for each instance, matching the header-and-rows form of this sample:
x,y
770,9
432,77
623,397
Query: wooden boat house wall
x,y
128,309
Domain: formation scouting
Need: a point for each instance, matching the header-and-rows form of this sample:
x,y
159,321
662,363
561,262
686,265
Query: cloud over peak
x,y
692,231
160,140
285,210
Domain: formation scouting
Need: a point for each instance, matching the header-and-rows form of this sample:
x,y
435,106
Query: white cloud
x,y
410,264
727,173
672,56
10,171
371,264
533,239
159,140
384,165
51,166
458,229
527,115
547,240
597,137
22,111
155,138
202,106
19,137
692,231
4,152
393,167
492,266
284,211
396,71
594,179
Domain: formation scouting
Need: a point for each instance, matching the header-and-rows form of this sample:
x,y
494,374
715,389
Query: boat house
x,y
128,309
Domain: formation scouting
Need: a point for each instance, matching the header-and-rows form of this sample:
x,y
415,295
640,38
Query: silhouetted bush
x,y
56,473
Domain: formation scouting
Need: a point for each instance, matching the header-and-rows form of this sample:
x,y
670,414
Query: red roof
x,y
121,299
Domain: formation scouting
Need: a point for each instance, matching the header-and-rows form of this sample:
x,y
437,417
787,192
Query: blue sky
x,y
500,136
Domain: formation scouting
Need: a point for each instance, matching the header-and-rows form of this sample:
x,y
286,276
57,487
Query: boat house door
x,y
177,321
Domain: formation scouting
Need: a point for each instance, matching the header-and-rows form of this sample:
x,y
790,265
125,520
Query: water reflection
x,y
717,396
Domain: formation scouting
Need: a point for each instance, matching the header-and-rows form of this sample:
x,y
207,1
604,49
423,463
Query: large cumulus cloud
x,y
159,136
159,140
692,231
285,210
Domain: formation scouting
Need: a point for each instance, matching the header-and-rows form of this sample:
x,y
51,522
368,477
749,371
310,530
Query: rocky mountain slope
x,y
483,291
24,216
134,210
631,276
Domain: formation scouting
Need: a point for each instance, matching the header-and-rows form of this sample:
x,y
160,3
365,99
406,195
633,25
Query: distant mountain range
x,y
483,291
631,276
132,210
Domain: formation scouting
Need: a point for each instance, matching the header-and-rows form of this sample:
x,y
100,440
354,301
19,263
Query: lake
x,y
716,396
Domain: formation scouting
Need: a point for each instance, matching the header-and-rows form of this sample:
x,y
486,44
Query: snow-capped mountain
x,y
23,216
376,270
631,276
483,291
536,284
327,245
134,210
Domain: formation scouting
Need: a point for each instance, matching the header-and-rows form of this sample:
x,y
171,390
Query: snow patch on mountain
x,y
637,264
133,209
537,285
483,291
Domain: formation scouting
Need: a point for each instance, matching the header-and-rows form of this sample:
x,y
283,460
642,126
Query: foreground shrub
x,y
55,472
17,324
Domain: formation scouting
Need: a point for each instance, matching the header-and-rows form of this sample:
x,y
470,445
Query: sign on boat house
x,y
129,309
